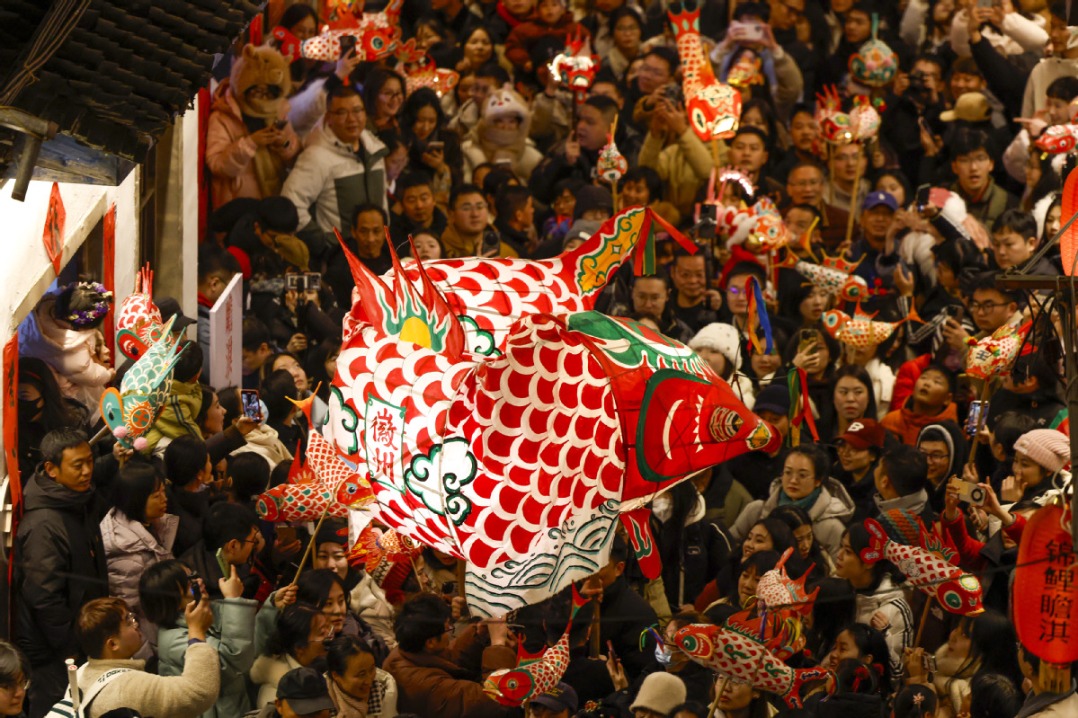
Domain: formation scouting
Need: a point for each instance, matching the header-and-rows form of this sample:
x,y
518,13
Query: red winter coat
x,y
523,37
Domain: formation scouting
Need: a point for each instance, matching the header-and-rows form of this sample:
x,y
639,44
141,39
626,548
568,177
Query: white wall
x,y
26,272
25,269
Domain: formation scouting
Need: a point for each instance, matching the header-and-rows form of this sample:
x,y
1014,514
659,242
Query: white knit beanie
x,y
721,338
1046,447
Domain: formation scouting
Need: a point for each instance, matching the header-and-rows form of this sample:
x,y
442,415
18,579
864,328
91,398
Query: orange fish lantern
x,y
860,330
835,125
833,275
575,68
420,71
759,227
714,107
1045,581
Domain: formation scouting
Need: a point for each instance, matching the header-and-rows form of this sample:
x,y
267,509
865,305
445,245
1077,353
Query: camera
x,y
918,90
306,282
673,92
971,493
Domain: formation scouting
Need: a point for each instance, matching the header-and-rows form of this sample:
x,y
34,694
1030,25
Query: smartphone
x,y
222,563
978,412
286,534
193,585
808,339
348,43
449,588
251,407
971,493
436,145
986,3
313,281
295,282
928,662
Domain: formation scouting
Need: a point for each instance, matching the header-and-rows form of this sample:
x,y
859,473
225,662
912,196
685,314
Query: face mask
x,y
662,507
663,655
28,410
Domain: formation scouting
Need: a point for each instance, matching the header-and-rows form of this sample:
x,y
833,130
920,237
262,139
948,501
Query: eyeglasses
x,y
132,619
391,95
935,456
973,159
24,684
985,306
343,112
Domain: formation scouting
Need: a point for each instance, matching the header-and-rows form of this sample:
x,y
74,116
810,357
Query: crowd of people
x,y
152,570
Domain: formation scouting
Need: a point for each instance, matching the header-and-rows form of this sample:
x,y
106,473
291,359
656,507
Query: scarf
x,y
805,502
348,706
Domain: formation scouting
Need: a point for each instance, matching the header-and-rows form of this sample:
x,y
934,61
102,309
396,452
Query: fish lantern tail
x,y
873,553
803,676
288,44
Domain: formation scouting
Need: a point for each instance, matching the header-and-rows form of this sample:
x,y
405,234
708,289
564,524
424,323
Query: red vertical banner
x,y
11,419
108,263
204,102
1068,243
53,237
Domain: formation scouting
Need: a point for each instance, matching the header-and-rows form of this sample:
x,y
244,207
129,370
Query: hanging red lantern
x,y
1045,589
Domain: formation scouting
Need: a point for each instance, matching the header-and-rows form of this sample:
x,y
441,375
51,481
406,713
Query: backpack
x,y
66,707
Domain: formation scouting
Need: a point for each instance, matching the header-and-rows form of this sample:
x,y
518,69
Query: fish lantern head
x,y
962,595
715,112
509,686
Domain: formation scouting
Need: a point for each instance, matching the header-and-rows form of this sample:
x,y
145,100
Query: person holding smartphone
x,y
249,143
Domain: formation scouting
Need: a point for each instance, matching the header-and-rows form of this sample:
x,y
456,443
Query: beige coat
x,y
185,696
683,166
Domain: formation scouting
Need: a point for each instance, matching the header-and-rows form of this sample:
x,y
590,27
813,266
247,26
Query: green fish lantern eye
x,y
952,600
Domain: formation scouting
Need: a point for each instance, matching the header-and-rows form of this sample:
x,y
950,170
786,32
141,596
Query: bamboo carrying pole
x,y
310,544
853,201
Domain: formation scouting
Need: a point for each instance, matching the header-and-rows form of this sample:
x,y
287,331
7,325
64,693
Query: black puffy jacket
x,y
60,565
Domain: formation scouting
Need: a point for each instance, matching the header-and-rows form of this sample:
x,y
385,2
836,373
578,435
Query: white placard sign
x,y
226,336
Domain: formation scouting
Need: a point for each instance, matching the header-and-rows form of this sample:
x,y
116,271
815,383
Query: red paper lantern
x,y
1046,589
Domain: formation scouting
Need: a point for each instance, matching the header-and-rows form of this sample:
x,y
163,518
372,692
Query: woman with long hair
x,y
42,408
767,534
432,147
881,602
852,399
137,533
383,96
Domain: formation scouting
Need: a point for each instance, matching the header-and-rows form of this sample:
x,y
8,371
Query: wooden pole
x,y
310,544
596,632
853,202
718,696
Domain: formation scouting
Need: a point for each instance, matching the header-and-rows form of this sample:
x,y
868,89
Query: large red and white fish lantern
x,y
498,420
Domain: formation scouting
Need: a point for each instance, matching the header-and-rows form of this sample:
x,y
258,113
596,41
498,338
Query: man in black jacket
x,y
623,613
60,561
